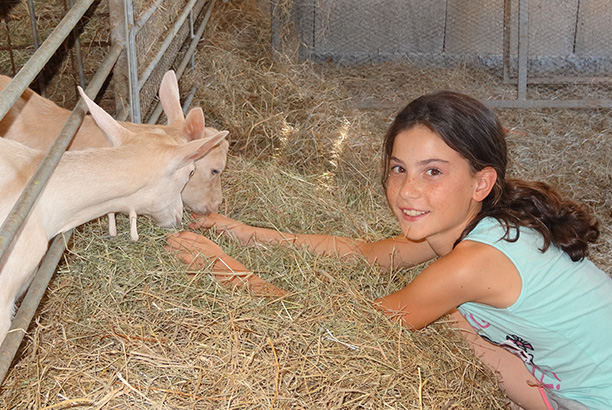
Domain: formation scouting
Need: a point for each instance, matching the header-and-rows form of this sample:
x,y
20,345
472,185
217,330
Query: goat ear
x,y
114,132
193,128
195,150
170,98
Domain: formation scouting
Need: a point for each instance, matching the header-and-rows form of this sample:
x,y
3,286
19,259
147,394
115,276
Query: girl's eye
x,y
396,169
433,172
191,173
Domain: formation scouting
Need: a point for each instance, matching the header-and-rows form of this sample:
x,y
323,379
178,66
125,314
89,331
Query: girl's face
x,y
431,189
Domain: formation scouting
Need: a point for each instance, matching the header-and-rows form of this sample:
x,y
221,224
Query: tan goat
x,y
36,121
140,173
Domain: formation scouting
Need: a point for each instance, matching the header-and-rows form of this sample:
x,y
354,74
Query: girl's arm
x,y
392,252
472,272
199,251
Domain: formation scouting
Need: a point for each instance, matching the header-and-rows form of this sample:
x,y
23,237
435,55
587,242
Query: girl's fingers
x,y
203,221
251,282
195,251
190,240
213,219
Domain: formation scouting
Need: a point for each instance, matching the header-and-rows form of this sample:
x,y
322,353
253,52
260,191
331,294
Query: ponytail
x,y
567,224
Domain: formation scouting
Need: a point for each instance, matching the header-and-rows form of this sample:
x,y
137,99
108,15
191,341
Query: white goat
x,y
141,172
36,121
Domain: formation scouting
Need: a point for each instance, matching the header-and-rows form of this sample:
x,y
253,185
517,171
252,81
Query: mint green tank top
x,y
561,323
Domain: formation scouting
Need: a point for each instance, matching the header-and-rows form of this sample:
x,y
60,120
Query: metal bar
x,y
146,16
167,41
191,35
28,72
33,24
194,43
30,302
41,82
549,103
565,80
157,112
186,59
523,48
118,29
603,103
275,27
189,97
506,38
37,182
132,60
135,109
78,54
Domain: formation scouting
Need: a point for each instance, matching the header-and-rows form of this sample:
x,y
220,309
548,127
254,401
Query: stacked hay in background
x,y
126,326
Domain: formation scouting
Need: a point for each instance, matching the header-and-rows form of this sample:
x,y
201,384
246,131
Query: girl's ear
x,y
485,181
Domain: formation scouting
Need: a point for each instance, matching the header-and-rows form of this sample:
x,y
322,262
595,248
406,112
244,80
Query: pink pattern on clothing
x,y
482,325
519,347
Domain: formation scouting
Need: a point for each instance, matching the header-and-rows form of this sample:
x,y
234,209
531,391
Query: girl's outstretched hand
x,y
193,249
223,224
199,252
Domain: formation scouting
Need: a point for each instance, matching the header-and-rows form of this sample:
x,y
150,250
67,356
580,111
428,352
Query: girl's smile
x,y
432,190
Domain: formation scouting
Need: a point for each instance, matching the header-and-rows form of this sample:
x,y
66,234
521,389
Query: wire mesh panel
x,y
25,25
164,26
551,53
157,35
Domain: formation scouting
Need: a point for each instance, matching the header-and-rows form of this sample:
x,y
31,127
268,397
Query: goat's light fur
x,y
141,173
36,122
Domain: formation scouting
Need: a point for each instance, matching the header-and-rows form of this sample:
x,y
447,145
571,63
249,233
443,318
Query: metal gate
x,y
146,40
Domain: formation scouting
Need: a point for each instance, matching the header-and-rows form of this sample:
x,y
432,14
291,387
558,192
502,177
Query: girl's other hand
x,y
193,249
223,224
200,252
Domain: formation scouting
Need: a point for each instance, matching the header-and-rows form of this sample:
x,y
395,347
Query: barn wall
x,y
564,35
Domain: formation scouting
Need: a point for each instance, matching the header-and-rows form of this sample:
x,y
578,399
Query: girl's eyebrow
x,y
423,162
431,160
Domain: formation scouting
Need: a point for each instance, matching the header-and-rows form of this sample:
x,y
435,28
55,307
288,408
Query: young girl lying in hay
x,y
511,264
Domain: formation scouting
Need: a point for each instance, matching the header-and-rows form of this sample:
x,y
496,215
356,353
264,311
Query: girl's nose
x,y
410,188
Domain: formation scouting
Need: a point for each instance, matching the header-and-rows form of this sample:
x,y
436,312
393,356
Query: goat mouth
x,y
170,222
201,210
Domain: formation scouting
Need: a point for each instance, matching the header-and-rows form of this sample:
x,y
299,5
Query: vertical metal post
x,y
41,81
78,54
523,48
132,62
120,72
506,39
191,35
275,24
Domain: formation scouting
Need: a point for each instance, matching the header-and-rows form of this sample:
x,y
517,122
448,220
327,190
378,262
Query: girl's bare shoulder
x,y
487,274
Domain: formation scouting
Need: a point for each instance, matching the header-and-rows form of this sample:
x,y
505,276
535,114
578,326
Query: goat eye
x,y
191,173
215,171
